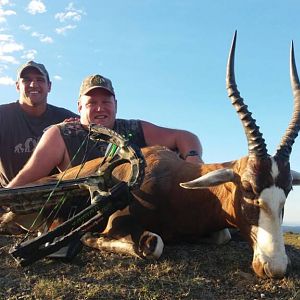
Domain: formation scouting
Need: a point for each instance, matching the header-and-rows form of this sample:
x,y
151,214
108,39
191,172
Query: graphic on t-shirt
x,y
27,147
19,149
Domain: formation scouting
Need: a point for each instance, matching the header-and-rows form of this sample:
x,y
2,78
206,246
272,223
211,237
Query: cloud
x,y
57,77
29,54
5,80
43,38
8,44
24,27
62,30
10,47
36,7
7,47
8,59
70,14
4,2
6,37
5,13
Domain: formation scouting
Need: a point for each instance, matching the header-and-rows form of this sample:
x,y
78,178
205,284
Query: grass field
x,y
184,272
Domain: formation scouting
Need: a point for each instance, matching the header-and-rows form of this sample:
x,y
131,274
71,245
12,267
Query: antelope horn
x,y
285,148
256,143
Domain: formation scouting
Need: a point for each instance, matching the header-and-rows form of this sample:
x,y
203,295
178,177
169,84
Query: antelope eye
x,y
288,189
248,190
287,186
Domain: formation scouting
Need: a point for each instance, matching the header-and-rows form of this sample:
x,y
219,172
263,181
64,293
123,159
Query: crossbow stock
x,y
105,193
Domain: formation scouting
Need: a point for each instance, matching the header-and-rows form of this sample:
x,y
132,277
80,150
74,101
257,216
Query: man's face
x,y
33,87
98,106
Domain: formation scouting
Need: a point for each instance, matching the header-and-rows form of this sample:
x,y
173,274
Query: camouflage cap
x,y
31,64
95,81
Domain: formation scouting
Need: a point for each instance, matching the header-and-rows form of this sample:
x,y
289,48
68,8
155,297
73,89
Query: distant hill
x,y
295,229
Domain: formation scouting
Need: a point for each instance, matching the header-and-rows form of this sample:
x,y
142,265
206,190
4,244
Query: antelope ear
x,y
210,179
295,177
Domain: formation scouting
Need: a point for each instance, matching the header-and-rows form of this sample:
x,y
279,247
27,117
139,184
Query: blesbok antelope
x,y
248,194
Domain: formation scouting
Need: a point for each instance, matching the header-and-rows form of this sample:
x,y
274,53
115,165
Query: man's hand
x,y
73,119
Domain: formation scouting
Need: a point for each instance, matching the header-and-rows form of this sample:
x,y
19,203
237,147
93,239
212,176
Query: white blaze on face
x,y
269,249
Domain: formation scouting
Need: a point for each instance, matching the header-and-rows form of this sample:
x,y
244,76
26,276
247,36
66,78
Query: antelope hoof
x,y
222,237
150,245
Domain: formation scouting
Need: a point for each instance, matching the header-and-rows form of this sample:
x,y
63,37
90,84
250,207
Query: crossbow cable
x,y
107,193
32,198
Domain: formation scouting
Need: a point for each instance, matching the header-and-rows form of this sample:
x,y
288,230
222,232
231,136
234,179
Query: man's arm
x,y
49,153
174,139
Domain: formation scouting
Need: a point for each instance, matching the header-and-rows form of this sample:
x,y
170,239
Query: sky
x,y
167,61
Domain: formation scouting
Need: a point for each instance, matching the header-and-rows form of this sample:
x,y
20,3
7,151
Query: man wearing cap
x,y
66,144
22,122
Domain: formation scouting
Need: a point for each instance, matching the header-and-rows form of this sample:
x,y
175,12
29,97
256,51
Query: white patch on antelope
x,y
158,247
270,249
274,169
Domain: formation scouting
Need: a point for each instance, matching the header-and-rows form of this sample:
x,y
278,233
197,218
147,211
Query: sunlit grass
x,y
183,272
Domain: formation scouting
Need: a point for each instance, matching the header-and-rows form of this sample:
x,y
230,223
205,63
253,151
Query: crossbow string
x,y
55,211
105,194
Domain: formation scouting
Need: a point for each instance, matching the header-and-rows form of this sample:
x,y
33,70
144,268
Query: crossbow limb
x,y
106,192
31,198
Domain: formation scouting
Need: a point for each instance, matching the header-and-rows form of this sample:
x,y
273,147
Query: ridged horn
x,y
285,147
256,143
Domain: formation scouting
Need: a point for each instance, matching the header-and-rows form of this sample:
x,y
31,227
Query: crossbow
x,y
104,192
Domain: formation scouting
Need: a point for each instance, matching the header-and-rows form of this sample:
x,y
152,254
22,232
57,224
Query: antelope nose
x,y
275,272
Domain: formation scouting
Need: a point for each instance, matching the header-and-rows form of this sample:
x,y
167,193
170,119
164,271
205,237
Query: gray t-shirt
x,y
19,134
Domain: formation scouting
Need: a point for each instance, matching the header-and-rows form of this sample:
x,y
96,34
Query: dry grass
x,y
184,272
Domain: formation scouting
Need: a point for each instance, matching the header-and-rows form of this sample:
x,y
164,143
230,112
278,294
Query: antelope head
x,y
262,186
